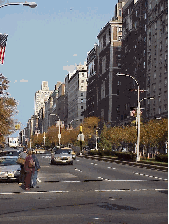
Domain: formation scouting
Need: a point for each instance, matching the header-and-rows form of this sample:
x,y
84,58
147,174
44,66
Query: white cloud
x,y
75,55
15,81
69,68
23,80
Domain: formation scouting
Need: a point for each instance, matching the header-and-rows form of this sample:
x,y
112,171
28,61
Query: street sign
x,y
80,137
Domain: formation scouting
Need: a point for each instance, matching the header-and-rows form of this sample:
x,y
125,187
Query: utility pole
x,y
44,138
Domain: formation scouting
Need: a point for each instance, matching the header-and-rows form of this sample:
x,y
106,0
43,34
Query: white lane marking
x,y
126,180
91,163
111,190
58,191
150,176
45,166
95,164
34,192
7,193
77,160
161,189
113,168
71,181
146,175
109,167
136,173
131,190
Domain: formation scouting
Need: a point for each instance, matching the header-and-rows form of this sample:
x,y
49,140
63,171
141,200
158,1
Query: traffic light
x,y
81,129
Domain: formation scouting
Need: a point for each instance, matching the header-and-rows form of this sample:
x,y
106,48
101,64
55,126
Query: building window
x,y
155,25
165,82
81,107
82,74
119,38
154,75
150,6
159,110
81,100
144,64
81,94
119,12
82,81
145,16
120,29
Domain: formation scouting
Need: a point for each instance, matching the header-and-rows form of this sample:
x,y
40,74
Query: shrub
x,y
162,158
126,156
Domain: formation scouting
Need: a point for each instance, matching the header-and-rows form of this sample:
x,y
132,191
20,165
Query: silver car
x,y
9,168
62,156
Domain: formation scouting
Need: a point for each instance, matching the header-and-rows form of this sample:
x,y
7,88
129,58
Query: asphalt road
x,y
88,192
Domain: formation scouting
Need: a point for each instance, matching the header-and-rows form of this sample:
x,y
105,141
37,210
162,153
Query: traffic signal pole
x,y
81,139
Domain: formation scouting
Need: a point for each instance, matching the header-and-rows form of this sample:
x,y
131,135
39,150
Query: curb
x,y
141,164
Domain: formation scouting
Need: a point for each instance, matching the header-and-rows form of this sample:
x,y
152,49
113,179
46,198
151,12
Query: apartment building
x,y
41,96
76,87
157,59
134,55
51,108
92,89
109,64
61,108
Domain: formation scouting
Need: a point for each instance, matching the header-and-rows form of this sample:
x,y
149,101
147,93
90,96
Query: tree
x,y
90,125
7,110
37,140
104,143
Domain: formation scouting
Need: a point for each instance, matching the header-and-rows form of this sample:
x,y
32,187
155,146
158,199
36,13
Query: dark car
x,y
12,152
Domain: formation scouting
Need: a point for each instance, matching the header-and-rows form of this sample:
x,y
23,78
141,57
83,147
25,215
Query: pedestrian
x,y
22,156
35,174
29,169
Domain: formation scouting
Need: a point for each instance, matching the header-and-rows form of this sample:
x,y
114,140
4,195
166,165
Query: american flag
x,y
3,39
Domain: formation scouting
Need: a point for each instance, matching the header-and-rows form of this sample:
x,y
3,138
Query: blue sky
x,y
45,41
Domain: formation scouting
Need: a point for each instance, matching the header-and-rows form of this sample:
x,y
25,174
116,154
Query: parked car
x,y
11,152
62,156
9,168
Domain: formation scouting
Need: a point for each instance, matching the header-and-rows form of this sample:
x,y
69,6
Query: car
x,y
9,168
11,152
62,156
73,154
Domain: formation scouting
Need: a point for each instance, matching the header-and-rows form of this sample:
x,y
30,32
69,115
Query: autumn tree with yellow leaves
x,y
7,110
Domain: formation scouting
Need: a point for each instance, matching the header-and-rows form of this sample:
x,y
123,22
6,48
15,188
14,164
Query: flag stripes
x,y
3,39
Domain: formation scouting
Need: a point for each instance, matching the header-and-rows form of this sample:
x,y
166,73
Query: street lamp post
x,y
30,4
138,112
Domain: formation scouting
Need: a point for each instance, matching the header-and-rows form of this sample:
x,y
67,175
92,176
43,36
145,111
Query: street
x,y
88,192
